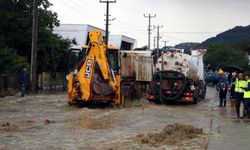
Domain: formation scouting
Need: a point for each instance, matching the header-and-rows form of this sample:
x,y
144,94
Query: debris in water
x,y
7,127
47,121
171,134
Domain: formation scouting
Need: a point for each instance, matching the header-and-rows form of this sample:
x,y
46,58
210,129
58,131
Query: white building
x,y
79,32
122,42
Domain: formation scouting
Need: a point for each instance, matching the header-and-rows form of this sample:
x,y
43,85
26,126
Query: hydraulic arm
x,y
95,79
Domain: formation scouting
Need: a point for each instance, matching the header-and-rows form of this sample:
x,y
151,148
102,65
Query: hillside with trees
x,y
187,46
236,35
219,55
229,48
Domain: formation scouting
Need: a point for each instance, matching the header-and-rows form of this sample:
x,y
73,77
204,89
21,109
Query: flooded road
x,y
45,122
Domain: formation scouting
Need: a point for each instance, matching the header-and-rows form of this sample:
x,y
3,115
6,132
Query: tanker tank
x,y
177,77
174,61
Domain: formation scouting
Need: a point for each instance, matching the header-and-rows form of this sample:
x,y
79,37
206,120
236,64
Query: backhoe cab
x,y
96,78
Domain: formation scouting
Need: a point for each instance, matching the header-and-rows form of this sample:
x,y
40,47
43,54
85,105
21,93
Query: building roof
x,y
79,32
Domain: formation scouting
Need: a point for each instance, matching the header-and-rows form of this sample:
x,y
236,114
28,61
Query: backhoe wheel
x,y
123,102
73,102
70,103
204,93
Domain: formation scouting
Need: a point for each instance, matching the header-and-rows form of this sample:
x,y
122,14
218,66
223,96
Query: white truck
x,y
178,77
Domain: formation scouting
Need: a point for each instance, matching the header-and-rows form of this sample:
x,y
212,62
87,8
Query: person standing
x,y
232,88
22,80
246,110
240,84
222,87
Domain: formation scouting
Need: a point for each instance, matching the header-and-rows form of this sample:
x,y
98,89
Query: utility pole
x,y
34,46
165,44
158,37
149,27
107,19
154,42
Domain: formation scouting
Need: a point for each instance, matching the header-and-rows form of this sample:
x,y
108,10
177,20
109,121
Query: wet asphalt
x,y
230,133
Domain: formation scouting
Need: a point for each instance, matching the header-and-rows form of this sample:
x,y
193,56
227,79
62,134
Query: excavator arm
x,y
101,58
80,85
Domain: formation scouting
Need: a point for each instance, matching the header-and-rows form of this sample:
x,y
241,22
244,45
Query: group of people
x,y
239,87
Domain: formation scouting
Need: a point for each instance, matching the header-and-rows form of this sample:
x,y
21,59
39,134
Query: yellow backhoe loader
x,y
96,78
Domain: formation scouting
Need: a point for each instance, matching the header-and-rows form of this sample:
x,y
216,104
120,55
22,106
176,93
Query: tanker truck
x,y
178,77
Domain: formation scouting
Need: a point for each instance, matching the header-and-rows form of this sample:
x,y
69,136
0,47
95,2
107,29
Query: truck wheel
x,y
195,100
204,93
70,103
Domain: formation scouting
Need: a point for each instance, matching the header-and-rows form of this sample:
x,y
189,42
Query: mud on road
x,y
47,122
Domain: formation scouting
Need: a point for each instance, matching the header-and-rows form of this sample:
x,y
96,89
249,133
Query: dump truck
x,y
96,77
136,71
178,77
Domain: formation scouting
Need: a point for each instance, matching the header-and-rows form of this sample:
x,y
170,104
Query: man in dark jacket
x,y
22,80
222,88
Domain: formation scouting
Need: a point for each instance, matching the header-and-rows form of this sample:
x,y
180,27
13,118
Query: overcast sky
x,y
182,20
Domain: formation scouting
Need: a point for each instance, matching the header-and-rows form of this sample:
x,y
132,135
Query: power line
x,y
193,32
76,9
122,23
149,27
92,9
129,24
124,26
172,37
124,13
132,6
85,5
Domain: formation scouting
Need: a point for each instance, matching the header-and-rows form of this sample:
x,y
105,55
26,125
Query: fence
x,y
51,81
45,81
8,81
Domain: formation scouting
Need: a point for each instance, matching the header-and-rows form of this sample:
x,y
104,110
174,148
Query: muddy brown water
x,y
45,121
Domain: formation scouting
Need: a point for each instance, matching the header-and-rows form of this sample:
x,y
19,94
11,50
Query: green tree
x,y
10,61
16,31
243,45
223,55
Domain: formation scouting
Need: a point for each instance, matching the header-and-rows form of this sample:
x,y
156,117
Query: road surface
x,y
46,122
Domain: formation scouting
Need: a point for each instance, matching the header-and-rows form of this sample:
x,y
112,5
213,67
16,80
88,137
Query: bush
x,y
10,61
